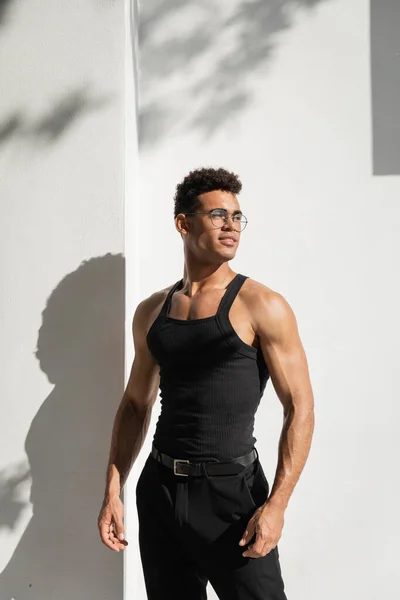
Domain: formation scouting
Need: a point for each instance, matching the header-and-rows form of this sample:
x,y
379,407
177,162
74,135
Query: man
x,y
210,342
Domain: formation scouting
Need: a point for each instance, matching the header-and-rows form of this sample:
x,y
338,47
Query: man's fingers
x,y
261,547
256,549
112,534
248,533
111,526
106,536
109,543
121,544
120,531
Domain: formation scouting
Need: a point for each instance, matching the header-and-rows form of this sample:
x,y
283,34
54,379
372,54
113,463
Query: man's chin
x,y
228,254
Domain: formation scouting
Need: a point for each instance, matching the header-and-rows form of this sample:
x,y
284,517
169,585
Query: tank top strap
x,y
231,292
167,301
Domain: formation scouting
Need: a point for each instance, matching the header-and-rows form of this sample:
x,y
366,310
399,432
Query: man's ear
x,y
181,231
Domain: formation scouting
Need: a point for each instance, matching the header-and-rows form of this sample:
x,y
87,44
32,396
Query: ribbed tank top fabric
x,y
211,383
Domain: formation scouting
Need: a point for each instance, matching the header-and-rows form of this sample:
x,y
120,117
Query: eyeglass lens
x,y
218,218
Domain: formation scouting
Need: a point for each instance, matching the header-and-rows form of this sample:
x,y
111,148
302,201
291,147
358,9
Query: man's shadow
x,y
81,349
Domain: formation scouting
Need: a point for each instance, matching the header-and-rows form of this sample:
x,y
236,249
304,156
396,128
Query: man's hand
x,y
267,522
110,523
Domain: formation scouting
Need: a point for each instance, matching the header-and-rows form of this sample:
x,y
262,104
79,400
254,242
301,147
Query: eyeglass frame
x,y
208,212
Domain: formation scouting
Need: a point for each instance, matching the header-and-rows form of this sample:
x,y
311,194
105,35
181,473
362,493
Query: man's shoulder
x,y
264,301
255,291
154,299
152,302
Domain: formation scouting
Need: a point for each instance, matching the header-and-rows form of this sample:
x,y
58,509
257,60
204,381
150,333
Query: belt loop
x,y
158,454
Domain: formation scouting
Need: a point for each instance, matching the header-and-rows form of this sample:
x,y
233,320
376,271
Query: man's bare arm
x,y
129,431
134,412
287,364
276,326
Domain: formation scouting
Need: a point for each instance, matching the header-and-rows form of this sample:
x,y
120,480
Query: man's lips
x,y
228,241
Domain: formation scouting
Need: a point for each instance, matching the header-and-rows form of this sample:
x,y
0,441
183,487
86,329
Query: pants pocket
x,y
143,474
229,496
256,483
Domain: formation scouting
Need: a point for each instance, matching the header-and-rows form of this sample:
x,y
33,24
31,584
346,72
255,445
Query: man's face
x,y
204,239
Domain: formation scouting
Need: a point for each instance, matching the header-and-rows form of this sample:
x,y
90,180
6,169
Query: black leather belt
x,y
181,466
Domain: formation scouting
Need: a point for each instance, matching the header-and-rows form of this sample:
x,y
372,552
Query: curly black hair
x,y
201,181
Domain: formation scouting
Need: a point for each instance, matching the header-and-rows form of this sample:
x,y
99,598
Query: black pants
x,y
189,532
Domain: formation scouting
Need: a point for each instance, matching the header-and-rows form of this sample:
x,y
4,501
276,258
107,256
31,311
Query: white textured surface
x,y
62,192
289,110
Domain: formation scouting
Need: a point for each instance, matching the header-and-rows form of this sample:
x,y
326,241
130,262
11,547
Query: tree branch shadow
x,y
198,62
49,127
4,7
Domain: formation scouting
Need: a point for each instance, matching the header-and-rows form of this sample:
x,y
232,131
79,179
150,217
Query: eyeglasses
x,y
219,217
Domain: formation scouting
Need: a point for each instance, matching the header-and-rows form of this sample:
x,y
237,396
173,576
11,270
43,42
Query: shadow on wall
x,y
385,79
52,125
200,60
81,350
4,5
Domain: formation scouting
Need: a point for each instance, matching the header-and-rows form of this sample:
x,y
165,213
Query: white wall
x,y
280,93
62,291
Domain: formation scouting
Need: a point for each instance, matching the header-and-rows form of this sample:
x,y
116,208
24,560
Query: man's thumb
x,y
247,535
120,530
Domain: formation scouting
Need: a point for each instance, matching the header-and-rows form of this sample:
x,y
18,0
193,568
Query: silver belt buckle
x,y
179,460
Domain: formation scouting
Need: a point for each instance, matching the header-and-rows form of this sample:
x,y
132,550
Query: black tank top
x,y
211,383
